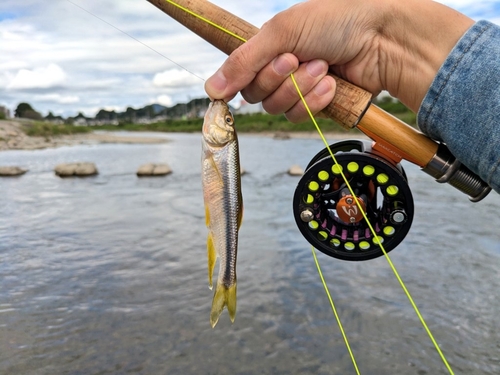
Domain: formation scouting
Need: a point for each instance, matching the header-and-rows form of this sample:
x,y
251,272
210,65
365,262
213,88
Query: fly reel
x,y
330,217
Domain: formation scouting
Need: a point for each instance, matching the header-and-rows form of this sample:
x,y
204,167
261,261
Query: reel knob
x,y
349,211
331,218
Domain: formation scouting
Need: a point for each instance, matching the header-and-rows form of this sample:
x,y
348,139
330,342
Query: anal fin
x,y
212,257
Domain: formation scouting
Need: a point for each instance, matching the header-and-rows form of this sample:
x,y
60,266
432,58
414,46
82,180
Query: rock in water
x,y
151,169
75,169
161,170
281,135
295,170
8,171
146,169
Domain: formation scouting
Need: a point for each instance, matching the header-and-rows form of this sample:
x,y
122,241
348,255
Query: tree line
x,y
191,109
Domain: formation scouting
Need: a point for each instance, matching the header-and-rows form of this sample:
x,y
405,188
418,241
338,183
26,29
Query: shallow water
x,y
108,275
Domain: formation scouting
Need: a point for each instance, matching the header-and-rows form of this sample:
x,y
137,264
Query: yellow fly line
x,y
391,264
393,267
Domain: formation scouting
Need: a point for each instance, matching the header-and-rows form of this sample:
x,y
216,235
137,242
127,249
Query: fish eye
x,y
229,120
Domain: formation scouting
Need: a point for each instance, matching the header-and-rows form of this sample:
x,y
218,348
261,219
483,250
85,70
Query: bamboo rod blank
x,y
351,104
350,101
401,139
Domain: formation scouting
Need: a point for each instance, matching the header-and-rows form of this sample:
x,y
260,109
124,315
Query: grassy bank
x,y
48,130
255,123
263,122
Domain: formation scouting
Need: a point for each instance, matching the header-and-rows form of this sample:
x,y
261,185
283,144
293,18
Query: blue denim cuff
x,y
463,101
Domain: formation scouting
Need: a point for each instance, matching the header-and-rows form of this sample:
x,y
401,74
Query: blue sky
x,y
7,16
57,57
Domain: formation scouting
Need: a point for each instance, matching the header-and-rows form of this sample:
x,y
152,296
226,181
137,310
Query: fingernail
x,y
216,84
317,67
323,87
283,66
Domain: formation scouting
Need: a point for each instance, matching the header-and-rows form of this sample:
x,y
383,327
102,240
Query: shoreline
x,y
12,137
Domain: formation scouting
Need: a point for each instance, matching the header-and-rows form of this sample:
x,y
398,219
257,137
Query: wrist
x,y
414,43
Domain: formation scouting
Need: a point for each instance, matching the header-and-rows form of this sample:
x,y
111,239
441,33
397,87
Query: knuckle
x,y
270,108
248,96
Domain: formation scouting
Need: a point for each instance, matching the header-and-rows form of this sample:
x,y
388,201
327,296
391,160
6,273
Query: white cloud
x,y
93,65
111,108
46,77
12,65
175,78
57,98
164,100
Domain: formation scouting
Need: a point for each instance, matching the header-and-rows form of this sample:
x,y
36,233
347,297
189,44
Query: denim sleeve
x,y
463,102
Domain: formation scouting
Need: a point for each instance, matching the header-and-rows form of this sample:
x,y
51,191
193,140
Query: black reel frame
x,y
330,219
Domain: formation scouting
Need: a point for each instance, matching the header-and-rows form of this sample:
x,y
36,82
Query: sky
x,y
61,58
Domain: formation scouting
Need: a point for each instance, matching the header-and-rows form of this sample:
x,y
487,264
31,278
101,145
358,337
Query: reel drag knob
x,y
332,219
349,211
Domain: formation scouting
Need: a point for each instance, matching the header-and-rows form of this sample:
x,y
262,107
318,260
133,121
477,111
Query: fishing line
x,y
134,38
337,317
403,286
206,20
376,238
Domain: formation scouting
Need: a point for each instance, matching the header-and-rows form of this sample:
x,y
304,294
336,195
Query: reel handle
x,y
351,107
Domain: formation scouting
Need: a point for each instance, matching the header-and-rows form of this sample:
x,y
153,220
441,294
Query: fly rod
x,y
351,106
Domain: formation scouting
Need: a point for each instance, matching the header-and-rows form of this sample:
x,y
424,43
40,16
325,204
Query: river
x,y
108,274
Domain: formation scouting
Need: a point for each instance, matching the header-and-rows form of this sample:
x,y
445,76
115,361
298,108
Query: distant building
x,y
247,108
5,111
56,121
80,121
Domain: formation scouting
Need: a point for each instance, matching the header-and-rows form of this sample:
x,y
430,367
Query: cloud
x,y
12,65
175,78
164,100
56,48
57,98
38,78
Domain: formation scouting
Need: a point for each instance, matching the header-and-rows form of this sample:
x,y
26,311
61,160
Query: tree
x,y
25,110
130,114
104,115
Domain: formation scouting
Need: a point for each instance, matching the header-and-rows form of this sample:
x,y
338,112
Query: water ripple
x,y
108,274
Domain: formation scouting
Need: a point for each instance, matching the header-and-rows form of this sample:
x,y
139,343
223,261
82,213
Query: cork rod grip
x,y
350,101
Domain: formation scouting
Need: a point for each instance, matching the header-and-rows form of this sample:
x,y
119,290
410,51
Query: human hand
x,y
375,44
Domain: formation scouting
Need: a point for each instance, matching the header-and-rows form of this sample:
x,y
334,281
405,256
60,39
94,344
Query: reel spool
x,y
327,214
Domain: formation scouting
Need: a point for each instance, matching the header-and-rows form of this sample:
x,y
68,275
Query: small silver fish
x,y
223,203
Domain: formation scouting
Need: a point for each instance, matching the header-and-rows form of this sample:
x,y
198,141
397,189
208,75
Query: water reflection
x,y
108,274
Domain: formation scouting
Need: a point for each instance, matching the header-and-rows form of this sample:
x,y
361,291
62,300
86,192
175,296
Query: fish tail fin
x,y
223,296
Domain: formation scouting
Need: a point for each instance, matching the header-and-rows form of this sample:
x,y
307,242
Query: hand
x,y
375,44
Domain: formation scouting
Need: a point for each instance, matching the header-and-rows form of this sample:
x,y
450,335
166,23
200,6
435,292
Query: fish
x,y
221,180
